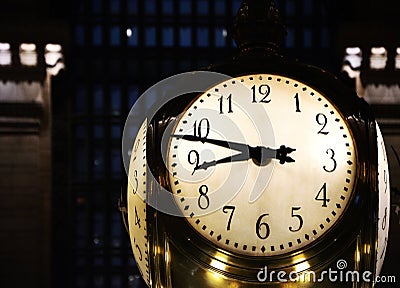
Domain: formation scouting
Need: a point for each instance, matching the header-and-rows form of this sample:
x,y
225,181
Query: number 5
x,y
298,217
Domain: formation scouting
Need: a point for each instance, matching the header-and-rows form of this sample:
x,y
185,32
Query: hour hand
x,y
205,165
282,152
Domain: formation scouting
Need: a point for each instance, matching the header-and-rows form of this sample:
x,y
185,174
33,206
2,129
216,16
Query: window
x,y
150,36
115,36
202,37
185,7
97,35
185,37
168,36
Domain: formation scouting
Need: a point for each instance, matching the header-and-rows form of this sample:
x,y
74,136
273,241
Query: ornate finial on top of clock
x,y
258,25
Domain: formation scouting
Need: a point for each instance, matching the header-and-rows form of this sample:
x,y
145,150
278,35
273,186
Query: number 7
x,y
232,208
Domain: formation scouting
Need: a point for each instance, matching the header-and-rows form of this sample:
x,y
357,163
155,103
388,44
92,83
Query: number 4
x,y
322,197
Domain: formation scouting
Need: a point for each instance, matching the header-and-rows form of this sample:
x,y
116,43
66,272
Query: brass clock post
x,y
273,172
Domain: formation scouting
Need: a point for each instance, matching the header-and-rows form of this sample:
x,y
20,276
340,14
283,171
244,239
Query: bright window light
x,y
53,47
353,50
397,59
378,58
4,46
28,47
27,54
353,57
5,54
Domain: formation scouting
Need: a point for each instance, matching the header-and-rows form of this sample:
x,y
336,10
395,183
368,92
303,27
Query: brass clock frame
x,y
352,237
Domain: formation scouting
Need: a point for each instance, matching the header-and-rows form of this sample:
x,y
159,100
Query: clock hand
x,y
222,143
260,155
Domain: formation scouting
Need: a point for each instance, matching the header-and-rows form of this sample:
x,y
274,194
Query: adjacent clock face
x,y
384,201
137,196
262,165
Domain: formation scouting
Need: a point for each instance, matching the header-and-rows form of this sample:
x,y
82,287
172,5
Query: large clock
x,y
274,166
277,152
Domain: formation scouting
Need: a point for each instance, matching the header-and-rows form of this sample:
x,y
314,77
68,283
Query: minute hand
x,y
227,144
260,155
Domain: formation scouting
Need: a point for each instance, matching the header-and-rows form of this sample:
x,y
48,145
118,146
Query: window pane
x,y
185,7
168,7
98,132
307,7
168,36
185,36
98,163
115,100
133,94
115,6
97,35
116,132
79,35
220,7
80,100
220,34
132,6
132,35
202,7
307,38
115,36
150,7
290,38
236,6
290,8
98,99
324,37
150,36
202,37
96,6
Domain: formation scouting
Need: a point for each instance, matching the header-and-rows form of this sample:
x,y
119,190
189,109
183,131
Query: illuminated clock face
x,y
262,165
137,195
384,201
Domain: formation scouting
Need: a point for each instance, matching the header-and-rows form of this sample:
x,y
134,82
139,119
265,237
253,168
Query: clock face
x,y
137,203
384,201
262,165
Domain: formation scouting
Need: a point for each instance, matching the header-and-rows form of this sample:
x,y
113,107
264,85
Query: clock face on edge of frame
x,y
262,165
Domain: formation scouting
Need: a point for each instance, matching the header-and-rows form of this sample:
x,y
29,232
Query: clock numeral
x,y
135,177
221,104
136,146
137,219
140,256
262,227
196,159
225,210
384,220
322,120
322,197
297,102
202,129
385,180
383,150
298,216
263,90
334,163
203,190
